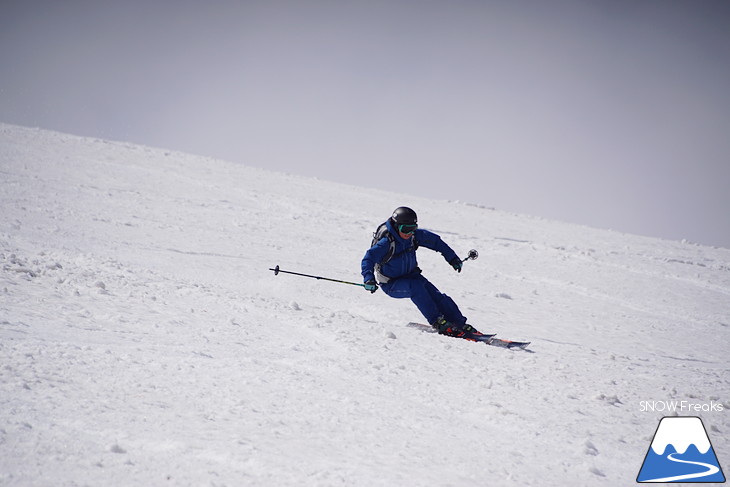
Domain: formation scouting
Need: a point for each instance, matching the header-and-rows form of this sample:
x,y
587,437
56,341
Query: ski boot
x,y
445,327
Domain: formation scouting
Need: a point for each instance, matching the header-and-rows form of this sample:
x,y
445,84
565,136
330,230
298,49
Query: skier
x,y
392,260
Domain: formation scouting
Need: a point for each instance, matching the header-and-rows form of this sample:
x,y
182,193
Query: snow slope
x,y
143,340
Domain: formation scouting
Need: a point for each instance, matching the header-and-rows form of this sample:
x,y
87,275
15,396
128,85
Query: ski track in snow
x,y
143,340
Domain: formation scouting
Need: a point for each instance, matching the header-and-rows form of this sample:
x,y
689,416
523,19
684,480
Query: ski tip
x,y
512,345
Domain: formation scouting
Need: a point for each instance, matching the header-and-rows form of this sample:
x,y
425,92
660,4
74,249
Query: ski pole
x,y
473,254
277,271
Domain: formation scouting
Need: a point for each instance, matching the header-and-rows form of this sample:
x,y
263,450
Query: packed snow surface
x,y
144,340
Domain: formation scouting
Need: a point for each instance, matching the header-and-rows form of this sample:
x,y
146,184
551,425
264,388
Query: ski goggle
x,y
406,228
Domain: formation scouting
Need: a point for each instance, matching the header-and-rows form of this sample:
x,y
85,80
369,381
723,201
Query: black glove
x,y
371,285
456,263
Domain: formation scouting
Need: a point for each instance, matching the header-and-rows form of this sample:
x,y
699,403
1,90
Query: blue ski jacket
x,y
403,261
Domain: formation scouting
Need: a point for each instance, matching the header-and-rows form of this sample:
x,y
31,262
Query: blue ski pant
x,y
431,302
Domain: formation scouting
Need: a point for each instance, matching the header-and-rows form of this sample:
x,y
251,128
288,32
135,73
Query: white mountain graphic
x,y
680,452
681,432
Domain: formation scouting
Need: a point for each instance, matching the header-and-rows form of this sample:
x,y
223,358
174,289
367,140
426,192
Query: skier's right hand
x,y
371,286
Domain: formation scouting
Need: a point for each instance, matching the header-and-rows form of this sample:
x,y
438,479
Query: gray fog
x,y
613,113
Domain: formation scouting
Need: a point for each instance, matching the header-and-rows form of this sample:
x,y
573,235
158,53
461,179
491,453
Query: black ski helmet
x,y
404,216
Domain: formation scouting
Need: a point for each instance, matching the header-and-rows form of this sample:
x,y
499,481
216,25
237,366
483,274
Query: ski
x,y
474,337
487,338
498,342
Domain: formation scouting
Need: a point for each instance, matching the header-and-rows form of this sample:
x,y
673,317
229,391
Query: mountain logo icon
x,y
681,452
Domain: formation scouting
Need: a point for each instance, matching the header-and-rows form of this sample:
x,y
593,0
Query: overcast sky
x,y
612,113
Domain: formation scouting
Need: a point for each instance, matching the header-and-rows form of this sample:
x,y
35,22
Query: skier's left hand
x,y
456,263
